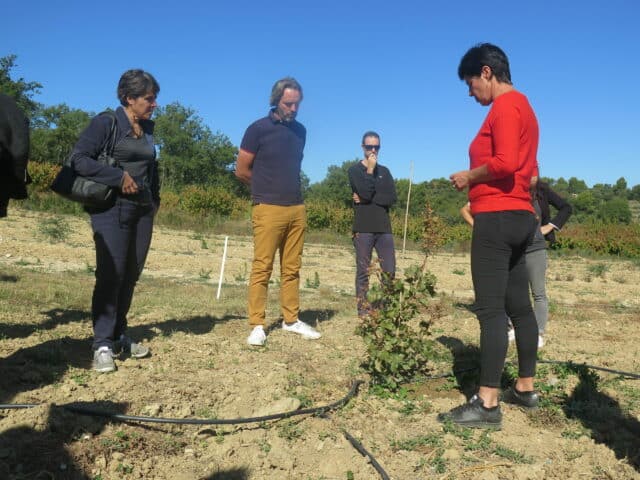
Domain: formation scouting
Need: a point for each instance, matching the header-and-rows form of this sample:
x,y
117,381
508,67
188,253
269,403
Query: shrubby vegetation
x,y
196,168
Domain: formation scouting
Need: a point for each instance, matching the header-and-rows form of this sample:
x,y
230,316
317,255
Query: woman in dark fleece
x,y
122,233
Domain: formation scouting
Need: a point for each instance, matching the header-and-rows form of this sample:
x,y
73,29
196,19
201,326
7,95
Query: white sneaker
x,y
257,337
103,360
303,329
511,334
540,342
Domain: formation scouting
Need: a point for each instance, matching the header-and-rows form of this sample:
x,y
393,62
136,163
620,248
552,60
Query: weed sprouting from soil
x,y
54,229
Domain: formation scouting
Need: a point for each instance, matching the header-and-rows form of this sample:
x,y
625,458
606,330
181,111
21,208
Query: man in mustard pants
x,y
269,162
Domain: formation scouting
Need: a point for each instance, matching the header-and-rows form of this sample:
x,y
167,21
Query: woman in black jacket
x,y
536,258
122,233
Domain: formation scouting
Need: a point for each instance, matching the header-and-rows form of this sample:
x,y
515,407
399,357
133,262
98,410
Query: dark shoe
x,y
522,399
474,414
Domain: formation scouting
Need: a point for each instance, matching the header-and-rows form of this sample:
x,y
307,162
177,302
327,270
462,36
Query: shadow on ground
x,y
234,474
311,317
46,363
56,316
40,452
466,362
601,414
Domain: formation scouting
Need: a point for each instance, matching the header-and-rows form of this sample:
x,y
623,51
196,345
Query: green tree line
x,y
193,155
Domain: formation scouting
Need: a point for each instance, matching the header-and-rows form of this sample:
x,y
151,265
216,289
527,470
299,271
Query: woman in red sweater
x,y
503,158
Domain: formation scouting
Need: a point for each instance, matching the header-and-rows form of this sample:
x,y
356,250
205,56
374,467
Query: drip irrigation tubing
x,y
320,411
199,421
361,450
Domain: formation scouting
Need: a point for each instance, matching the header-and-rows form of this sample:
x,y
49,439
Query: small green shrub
x,y
54,229
397,352
598,269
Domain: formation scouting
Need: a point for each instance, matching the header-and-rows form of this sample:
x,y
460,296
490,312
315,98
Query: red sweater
x,y
508,144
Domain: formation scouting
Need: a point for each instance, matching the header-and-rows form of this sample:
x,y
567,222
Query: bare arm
x,y
466,213
465,178
244,164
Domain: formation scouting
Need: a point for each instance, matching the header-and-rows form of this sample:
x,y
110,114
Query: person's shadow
x,y
56,316
310,317
233,474
602,415
466,362
46,363
40,452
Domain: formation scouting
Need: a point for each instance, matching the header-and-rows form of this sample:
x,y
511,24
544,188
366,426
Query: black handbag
x,y
80,189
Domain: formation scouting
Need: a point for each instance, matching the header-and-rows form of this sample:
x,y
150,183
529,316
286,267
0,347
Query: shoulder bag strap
x,y
110,144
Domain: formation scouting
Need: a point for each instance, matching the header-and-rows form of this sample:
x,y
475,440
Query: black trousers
x,y
122,236
501,288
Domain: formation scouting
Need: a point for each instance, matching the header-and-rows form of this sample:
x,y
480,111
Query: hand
x,y
129,186
460,180
545,229
372,160
356,198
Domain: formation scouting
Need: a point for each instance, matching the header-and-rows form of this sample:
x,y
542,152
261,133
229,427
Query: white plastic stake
x,y
224,258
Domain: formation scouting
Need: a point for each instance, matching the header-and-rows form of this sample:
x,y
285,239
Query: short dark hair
x,y
278,89
370,133
481,55
136,83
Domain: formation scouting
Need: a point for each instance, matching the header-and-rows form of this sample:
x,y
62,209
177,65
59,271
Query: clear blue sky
x,y
382,65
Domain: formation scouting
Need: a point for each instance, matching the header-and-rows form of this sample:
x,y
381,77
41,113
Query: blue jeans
x,y
364,244
122,235
501,286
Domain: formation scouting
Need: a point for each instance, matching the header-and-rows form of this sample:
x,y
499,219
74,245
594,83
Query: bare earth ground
x,y
202,368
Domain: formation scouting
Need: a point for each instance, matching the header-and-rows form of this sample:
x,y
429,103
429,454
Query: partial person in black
x,y
374,192
14,153
122,233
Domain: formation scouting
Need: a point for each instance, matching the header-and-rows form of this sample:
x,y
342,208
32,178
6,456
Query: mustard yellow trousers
x,y
276,228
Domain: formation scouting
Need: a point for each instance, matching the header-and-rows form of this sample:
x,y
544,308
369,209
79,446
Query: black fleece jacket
x,y
377,193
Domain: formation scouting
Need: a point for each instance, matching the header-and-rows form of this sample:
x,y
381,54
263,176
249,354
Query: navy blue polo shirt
x,y
278,148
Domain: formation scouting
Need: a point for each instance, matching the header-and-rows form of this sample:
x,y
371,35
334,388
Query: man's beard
x,y
287,118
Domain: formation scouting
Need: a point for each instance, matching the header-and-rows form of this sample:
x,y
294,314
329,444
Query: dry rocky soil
x,y
202,368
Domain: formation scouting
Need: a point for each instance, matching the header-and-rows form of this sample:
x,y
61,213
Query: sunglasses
x,y
372,147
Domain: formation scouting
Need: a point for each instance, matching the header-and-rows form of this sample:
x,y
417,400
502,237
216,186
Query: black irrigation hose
x,y
320,411
195,421
361,450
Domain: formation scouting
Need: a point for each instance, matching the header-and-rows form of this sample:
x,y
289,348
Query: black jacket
x,y
14,149
377,193
91,143
547,197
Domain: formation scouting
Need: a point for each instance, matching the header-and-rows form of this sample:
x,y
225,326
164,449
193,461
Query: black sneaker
x,y
527,400
474,414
